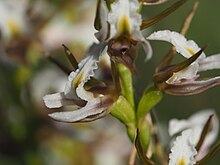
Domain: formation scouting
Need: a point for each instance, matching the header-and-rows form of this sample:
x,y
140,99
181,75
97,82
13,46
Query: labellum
x,y
123,50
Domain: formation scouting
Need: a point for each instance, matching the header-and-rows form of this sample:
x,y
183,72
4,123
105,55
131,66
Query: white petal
x,y
137,36
176,126
199,119
197,122
183,46
57,100
189,73
76,81
12,17
210,62
124,10
93,107
183,151
103,33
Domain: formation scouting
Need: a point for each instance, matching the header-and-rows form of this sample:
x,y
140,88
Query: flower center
x,y
124,26
181,161
191,52
13,27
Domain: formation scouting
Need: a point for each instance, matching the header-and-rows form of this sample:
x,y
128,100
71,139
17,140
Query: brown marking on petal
x,y
106,102
123,50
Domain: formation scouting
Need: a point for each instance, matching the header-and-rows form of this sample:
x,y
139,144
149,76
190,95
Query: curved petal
x,y
92,108
185,47
210,62
191,87
76,81
124,18
137,35
183,151
189,73
176,126
58,100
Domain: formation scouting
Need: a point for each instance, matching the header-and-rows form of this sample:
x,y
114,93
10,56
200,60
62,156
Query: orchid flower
x,y
197,122
91,105
183,150
185,81
12,18
120,27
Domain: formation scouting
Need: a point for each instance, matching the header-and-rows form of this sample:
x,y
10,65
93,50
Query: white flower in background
x,y
91,106
196,123
183,151
185,81
12,18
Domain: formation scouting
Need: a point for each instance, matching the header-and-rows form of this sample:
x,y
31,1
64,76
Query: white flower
x,y
12,17
183,150
185,81
197,122
91,106
124,31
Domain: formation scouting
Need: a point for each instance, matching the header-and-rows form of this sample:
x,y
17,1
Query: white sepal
x,y
209,63
57,100
185,47
92,108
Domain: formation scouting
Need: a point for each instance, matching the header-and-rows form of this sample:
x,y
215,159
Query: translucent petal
x,y
183,151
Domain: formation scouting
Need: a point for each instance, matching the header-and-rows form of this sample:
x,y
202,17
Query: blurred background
x,y
32,30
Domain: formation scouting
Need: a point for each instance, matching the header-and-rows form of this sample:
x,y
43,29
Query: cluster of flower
x,y
119,24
